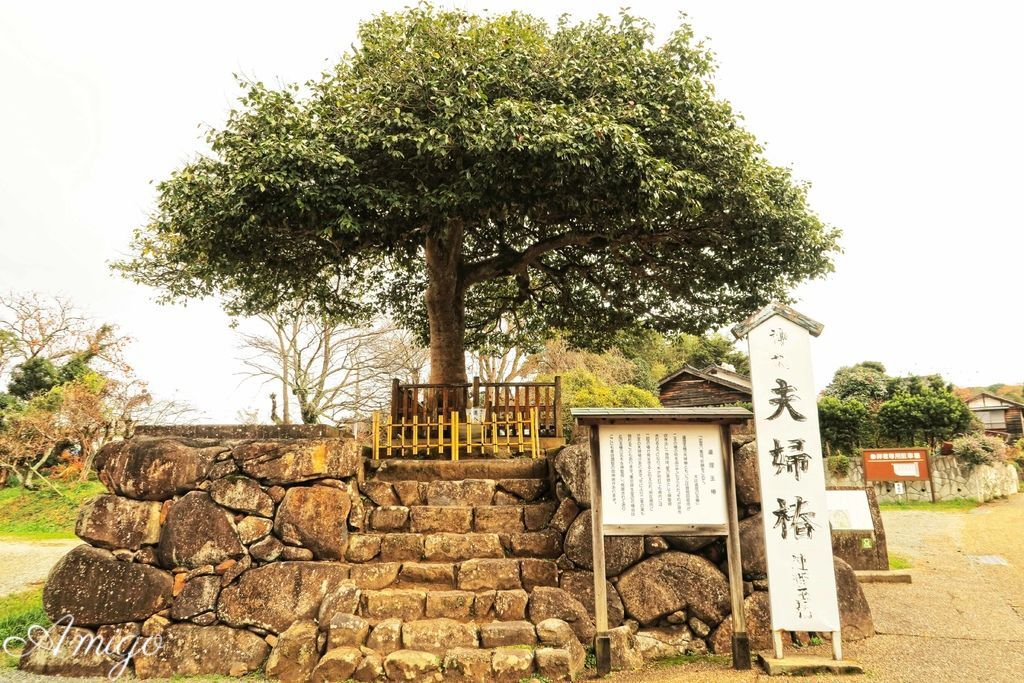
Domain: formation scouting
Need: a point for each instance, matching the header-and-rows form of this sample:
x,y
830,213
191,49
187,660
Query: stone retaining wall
x,y
300,557
953,480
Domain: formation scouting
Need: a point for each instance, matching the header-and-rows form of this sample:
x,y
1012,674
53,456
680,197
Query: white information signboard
x,y
849,511
665,474
657,471
798,544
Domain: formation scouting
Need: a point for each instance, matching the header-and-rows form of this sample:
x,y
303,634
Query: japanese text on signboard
x,y
798,546
662,474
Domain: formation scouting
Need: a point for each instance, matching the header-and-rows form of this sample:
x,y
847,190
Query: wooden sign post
x,y
658,471
798,546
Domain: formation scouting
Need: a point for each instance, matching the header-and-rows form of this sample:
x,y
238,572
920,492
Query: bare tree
x,y
557,357
99,401
26,442
50,327
497,366
33,325
8,350
129,403
326,369
504,358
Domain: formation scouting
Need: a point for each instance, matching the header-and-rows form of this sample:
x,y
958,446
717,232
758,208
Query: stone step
x,y
408,628
420,649
452,547
448,470
460,519
475,665
465,607
474,575
456,492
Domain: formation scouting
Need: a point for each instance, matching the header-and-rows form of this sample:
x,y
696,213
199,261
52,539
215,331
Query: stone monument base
x,y
808,665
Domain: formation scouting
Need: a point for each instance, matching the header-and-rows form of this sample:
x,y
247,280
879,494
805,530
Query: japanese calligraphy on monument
x,y
662,474
798,544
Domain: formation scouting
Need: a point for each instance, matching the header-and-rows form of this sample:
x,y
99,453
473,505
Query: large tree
x,y
454,170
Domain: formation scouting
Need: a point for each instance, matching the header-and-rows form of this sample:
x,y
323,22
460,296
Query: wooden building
x,y
1000,415
713,386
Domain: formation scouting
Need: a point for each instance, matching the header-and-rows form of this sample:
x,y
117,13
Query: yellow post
x,y
494,434
534,436
415,434
441,422
426,433
455,435
376,435
520,424
536,430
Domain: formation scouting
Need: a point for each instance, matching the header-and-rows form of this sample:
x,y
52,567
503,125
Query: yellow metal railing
x,y
414,436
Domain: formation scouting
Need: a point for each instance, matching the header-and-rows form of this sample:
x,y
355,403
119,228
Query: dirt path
x,y
26,563
962,619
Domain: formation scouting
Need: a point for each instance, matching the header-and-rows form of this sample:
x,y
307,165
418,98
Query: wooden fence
x,y
503,401
449,434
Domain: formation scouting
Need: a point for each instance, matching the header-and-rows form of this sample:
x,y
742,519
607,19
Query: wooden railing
x,y
449,434
504,401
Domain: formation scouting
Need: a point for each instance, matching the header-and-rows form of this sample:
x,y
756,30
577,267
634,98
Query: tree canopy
x,y
865,407
455,170
929,416
865,382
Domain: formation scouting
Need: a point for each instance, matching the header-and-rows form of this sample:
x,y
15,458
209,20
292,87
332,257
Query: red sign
x,y
895,464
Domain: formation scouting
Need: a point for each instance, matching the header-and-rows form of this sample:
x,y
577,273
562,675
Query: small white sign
x,y
899,487
662,474
849,511
906,469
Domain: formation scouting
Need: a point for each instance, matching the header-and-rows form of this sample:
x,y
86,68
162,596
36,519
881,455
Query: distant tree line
x,y
864,407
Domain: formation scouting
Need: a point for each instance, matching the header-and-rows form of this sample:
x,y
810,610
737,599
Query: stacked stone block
x,y
301,558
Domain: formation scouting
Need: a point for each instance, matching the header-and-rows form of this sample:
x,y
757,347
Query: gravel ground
x,y
26,563
960,620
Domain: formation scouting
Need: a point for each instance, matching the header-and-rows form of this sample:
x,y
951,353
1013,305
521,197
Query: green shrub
x,y
582,389
978,449
839,465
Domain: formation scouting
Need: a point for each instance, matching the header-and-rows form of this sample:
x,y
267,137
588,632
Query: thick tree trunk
x,y
446,302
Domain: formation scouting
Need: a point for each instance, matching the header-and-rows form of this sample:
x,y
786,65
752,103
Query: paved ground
x,y
960,620
26,563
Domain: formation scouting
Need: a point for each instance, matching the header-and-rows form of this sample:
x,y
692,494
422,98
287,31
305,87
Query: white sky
x,y
904,116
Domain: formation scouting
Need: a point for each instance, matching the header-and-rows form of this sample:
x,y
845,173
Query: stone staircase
x,y
455,566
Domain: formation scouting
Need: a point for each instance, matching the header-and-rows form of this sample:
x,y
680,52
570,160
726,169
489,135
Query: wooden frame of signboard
x,y
724,418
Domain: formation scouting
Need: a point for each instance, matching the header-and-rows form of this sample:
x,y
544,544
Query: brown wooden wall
x,y
1014,422
684,392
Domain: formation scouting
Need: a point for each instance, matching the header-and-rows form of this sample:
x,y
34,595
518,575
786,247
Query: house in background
x,y
715,385
999,414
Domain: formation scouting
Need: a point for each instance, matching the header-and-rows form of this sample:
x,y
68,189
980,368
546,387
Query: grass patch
x,y
898,562
43,513
692,659
955,505
18,611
